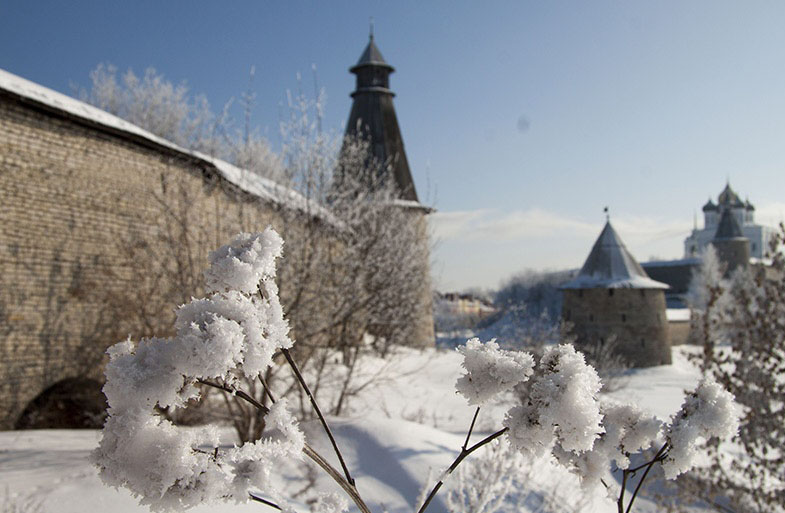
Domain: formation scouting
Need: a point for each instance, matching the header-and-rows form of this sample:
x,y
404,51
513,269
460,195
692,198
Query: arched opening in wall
x,y
73,403
610,292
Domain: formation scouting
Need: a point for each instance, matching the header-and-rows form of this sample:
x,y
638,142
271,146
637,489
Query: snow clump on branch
x,y
709,411
561,405
490,370
234,331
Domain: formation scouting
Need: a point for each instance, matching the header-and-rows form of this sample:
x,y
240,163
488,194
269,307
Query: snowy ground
x,y
410,423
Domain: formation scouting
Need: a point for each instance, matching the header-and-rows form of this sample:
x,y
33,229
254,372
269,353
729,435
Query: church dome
x,y
709,206
729,198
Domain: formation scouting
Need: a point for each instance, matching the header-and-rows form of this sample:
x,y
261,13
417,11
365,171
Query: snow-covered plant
x,y
486,483
708,412
231,333
560,405
235,333
559,414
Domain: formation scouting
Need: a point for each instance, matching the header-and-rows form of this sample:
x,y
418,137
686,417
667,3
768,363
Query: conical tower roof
x,y
371,57
728,228
610,265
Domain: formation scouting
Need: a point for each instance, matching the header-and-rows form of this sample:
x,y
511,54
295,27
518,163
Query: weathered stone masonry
x,y
68,188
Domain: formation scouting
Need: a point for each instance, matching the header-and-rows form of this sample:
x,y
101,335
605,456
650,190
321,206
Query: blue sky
x,y
521,119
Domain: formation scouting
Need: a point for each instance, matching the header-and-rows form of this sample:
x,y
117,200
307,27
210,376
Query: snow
x,y
490,370
415,205
678,314
251,183
390,456
598,281
562,406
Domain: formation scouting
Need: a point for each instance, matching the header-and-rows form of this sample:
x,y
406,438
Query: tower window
x,y
591,318
623,317
610,292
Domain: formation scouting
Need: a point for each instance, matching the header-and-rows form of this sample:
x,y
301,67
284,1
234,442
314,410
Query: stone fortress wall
x,y
635,317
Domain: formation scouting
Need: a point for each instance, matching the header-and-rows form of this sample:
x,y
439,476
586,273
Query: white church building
x,y
743,211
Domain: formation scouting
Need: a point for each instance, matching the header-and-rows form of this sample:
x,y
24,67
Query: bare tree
x,y
356,260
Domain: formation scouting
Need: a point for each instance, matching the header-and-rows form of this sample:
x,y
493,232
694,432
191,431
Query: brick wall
x,y
73,202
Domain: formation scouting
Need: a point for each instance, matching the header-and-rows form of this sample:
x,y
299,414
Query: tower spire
x,y
371,29
373,117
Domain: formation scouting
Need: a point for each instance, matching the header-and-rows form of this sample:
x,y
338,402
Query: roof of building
x,y
709,206
371,57
677,274
728,227
729,198
53,102
610,265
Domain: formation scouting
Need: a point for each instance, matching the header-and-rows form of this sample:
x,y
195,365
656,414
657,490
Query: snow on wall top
x,y
610,265
247,181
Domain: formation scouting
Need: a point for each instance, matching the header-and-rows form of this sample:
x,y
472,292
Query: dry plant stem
x,y
317,458
266,389
307,390
238,393
471,428
349,488
628,472
265,502
463,454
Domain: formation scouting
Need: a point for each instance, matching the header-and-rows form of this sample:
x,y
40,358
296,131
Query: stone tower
x,y
733,248
613,298
373,118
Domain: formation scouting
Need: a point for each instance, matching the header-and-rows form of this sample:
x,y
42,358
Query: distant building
x,y
613,298
744,214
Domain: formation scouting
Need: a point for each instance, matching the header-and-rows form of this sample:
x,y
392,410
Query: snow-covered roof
x,y
415,205
245,180
611,266
678,314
